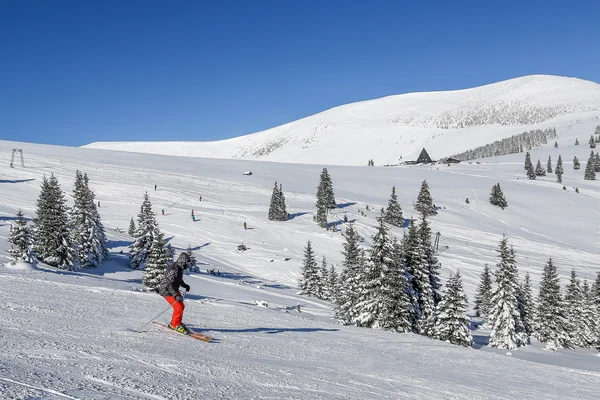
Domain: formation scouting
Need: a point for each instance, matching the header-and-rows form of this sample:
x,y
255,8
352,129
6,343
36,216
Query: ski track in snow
x,y
71,334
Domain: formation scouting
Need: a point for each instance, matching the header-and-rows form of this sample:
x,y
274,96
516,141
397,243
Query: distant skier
x,y
163,211
98,203
169,289
200,198
155,188
245,226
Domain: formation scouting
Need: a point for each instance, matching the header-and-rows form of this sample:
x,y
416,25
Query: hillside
x,y
52,349
396,128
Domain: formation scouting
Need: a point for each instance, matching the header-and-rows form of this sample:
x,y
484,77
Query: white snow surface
x,y
72,335
386,129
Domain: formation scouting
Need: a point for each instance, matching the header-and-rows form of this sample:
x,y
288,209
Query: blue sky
x,y
74,72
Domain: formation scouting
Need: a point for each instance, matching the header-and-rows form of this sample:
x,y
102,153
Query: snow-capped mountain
x,y
397,127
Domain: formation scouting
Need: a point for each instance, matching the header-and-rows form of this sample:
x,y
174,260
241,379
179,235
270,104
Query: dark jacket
x,y
173,277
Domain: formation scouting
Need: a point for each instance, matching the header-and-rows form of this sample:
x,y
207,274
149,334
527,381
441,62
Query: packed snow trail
x,y
64,340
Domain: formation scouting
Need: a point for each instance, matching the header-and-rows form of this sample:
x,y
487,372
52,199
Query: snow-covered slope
x,y
392,127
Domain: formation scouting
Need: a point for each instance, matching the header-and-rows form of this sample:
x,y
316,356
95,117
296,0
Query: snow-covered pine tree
x,y
576,142
539,170
158,258
89,237
592,142
551,324
144,235
193,261
274,206
556,145
597,163
549,167
349,278
559,170
424,204
321,214
450,321
483,298
416,267
132,228
386,304
323,271
332,284
576,164
310,278
526,305
574,304
529,166
393,213
282,209
20,239
431,261
325,191
596,291
590,318
590,174
497,197
508,331
52,239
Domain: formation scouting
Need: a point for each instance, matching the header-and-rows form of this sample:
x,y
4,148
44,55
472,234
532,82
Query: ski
x,y
190,333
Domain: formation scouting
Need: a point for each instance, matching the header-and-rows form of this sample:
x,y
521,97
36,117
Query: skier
x,y
169,289
200,198
245,226
155,188
163,211
98,203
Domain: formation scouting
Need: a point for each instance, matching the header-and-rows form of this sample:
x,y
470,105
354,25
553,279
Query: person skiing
x,y
155,188
169,289
245,226
163,211
200,198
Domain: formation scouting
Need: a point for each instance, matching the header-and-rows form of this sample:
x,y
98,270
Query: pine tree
x,y
592,142
325,191
574,303
322,289
483,298
589,317
549,167
559,170
576,164
88,232
529,166
539,170
274,206
310,279
424,204
20,239
597,163
416,267
332,285
386,304
596,290
283,214
393,214
52,237
551,324
497,197
349,279
431,261
526,305
450,321
556,145
132,228
158,258
322,214
508,331
144,236
576,142
590,174
193,261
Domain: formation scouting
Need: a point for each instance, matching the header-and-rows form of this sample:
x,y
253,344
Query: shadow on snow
x,y
16,180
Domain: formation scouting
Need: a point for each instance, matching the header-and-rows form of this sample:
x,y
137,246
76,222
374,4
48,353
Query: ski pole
x,y
147,323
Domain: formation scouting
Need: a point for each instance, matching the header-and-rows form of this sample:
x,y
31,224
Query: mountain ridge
x,y
402,124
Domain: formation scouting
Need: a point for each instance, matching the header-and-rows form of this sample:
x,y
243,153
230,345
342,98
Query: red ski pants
x,y
177,310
